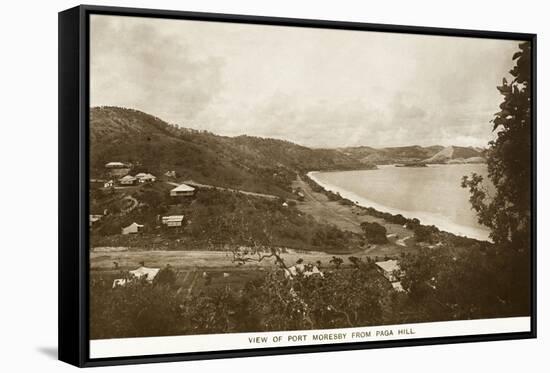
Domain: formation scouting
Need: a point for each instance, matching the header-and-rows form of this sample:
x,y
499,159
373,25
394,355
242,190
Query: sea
x,y
431,194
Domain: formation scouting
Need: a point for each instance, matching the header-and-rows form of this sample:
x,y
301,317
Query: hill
x,y
244,162
390,155
415,154
457,154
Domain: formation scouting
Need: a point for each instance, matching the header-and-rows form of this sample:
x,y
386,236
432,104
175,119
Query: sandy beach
x,y
427,218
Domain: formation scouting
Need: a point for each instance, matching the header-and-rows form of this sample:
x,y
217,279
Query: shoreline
x,y
441,222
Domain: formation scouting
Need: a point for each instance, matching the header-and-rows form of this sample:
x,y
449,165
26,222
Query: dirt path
x,y
206,186
318,205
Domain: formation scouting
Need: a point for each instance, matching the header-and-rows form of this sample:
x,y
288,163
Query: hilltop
x,y
415,154
390,155
457,154
252,163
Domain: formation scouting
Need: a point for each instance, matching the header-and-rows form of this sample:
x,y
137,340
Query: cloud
x,y
321,88
134,65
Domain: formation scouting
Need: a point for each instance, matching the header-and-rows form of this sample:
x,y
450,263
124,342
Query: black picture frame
x,y
73,182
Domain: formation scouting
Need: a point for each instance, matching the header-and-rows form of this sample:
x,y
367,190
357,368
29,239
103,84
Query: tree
x,y
508,212
166,276
374,232
336,261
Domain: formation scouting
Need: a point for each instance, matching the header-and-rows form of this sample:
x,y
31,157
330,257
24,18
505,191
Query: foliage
x,y
336,261
374,232
508,212
216,218
166,276
343,298
443,284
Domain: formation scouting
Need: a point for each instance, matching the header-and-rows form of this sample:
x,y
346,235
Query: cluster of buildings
x,y
140,178
169,221
121,172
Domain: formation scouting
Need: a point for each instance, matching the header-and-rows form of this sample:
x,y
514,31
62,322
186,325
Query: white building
x,y
115,165
146,177
173,220
127,180
147,273
391,270
117,169
132,228
182,190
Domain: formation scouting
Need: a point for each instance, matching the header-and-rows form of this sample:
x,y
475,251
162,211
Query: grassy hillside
x,y
213,220
244,162
400,154
416,154
453,153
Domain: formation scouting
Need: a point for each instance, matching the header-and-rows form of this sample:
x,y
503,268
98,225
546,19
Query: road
x,y
331,212
206,186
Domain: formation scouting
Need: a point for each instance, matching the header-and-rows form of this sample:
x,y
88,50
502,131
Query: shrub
x,y
374,232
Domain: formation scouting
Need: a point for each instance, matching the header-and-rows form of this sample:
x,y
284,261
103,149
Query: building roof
x,y
143,175
148,273
115,164
172,218
134,224
183,188
127,178
389,265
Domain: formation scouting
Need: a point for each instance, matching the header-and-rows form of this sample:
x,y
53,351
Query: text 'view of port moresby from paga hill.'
x,y
244,180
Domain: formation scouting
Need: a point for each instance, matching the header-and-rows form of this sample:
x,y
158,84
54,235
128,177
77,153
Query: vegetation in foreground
x,y
440,285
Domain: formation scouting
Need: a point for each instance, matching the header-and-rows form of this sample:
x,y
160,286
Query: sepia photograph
x,y
255,185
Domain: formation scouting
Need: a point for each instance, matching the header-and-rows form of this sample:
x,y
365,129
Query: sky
x,y
315,87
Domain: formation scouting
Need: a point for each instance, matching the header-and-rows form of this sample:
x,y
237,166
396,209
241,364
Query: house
x,y
392,272
108,184
170,173
390,269
148,274
127,180
182,190
132,228
145,178
115,165
117,169
173,220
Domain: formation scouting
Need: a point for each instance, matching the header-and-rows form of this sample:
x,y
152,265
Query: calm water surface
x,y
432,194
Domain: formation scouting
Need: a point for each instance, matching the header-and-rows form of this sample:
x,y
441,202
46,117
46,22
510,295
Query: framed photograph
x,y
234,186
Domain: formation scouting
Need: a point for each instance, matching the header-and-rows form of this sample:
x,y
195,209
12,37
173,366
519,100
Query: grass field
x,y
350,217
